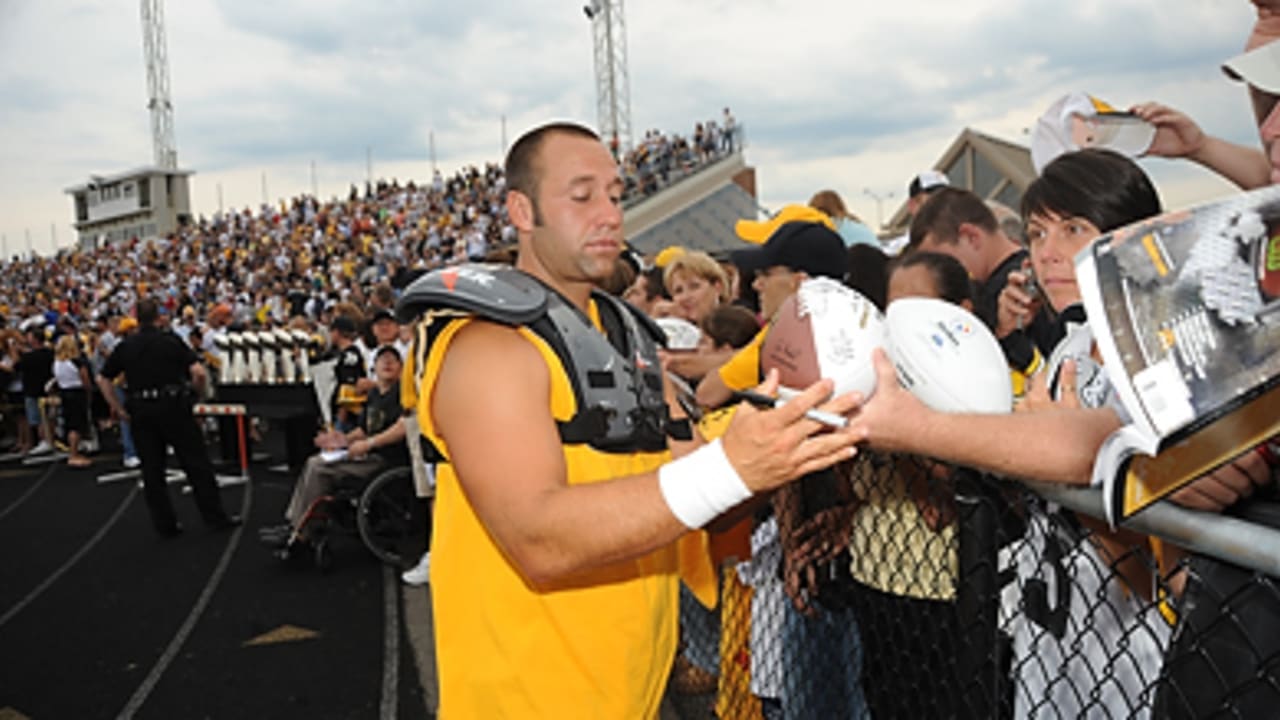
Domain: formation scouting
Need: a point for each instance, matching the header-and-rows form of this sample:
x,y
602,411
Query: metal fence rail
x,y
932,592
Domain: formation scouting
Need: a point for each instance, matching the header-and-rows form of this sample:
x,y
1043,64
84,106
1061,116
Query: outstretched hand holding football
x,y
888,419
771,447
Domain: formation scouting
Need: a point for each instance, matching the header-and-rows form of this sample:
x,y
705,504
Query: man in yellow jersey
x,y
554,564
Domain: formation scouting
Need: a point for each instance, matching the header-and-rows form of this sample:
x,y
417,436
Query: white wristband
x,y
701,485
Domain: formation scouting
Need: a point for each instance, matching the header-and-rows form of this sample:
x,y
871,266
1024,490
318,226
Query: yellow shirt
x,y
600,646
892,548
742,371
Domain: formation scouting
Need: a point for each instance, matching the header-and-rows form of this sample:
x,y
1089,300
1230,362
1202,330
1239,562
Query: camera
x,y
1030,286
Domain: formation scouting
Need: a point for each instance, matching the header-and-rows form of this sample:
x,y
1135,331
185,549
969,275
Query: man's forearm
x,y
1247,167
109,394
1054,445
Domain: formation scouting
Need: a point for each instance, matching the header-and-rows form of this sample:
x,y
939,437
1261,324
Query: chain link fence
x,y
898,587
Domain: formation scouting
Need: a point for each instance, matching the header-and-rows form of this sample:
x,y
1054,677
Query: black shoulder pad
x,y
495,292
646,323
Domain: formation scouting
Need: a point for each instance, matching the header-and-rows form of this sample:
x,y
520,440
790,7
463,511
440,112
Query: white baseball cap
x,y
926,181
1260,67
1078,121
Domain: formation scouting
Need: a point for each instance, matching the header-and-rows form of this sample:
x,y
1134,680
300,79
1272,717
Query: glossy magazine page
x,y
1185,309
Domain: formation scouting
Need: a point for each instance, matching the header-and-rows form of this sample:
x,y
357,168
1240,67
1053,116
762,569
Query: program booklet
x,y
1185,310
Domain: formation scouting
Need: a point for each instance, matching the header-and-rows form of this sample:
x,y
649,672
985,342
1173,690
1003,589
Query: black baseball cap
x,y
344,324
386,349
807,247
381,314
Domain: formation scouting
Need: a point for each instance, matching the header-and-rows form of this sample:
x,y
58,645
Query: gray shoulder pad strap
x,y
496,292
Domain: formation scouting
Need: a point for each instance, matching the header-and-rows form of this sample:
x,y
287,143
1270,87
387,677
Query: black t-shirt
x,y
35,367
350,367
381,411
1043,332
151,359
297,302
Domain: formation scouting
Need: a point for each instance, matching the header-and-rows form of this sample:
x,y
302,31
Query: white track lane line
x,y
70,561
390,643
30,491
149,683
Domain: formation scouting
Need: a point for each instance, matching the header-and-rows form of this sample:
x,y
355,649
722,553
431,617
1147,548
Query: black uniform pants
x,y
169,422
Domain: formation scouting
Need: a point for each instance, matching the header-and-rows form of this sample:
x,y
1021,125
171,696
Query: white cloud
x,y
849,95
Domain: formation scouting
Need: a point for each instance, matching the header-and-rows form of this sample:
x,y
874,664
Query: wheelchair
x,y
384,514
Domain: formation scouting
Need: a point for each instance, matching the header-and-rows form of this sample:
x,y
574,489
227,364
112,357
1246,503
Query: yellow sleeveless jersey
x,y
600,646
742,371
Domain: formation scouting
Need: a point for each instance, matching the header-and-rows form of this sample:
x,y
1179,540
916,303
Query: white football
x,y
825,330
947,357
681,334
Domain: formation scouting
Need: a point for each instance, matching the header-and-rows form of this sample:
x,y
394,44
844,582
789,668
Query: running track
x,y
99,618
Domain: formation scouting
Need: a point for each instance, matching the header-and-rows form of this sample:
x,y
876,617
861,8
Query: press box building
x,y
144,203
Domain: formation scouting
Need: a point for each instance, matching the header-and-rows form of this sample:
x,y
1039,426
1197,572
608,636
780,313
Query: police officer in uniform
x,y
163,374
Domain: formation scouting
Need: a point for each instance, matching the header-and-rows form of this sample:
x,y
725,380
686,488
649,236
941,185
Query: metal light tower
x,y
613,88
161,106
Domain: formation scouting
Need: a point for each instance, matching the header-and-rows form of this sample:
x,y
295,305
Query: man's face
x,y
387,367
579,203
637,293
1266,109
774,285
386,331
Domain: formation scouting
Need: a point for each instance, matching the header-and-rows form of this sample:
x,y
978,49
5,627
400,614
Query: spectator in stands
x,y
124,326
350,370
386,331
730,129
35,366
71,377
11,347
852,230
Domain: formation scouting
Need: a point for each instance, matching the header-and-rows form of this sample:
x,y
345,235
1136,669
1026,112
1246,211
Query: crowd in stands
x,y
297,263
660,159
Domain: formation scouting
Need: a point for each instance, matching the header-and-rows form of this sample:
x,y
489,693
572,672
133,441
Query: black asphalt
x,y
101,618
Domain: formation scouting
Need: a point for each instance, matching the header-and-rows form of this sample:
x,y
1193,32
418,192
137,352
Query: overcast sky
x,y
851,94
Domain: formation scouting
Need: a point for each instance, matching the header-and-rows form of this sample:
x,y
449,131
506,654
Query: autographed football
x,y
946,357
824,330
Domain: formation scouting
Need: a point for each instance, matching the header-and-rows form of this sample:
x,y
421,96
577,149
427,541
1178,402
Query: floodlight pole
x,y
879,198
159,102
613,86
